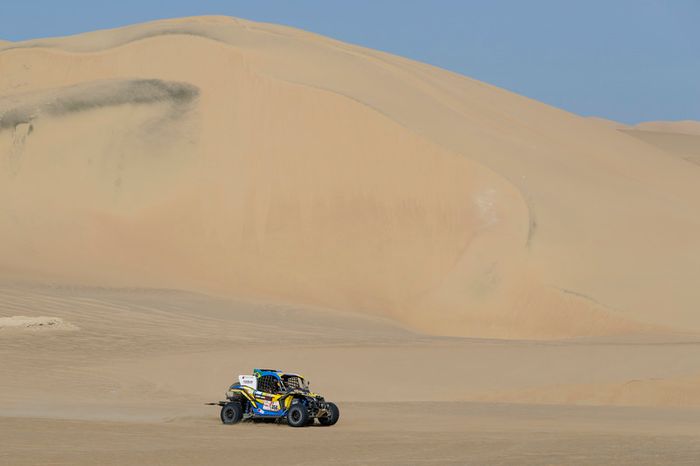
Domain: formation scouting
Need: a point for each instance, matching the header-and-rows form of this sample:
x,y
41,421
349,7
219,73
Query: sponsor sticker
x,y
248,381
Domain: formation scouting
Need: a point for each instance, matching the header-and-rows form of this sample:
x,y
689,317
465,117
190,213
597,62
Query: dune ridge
x,y
314,172
678,138
678,127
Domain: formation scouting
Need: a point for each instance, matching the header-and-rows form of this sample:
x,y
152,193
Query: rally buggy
x,y
274,395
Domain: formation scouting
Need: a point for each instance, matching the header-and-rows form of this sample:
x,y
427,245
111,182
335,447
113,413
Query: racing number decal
x,y
271,405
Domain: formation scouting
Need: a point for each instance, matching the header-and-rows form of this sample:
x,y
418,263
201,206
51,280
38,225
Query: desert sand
x,y
475,277
128,387
679,138
676,127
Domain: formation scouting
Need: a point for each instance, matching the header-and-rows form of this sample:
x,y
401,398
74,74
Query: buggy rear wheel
x,y
332,417
231,413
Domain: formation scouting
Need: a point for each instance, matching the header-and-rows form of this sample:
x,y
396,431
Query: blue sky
x,y
627,60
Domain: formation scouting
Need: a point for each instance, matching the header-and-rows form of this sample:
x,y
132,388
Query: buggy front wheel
x,y
332,416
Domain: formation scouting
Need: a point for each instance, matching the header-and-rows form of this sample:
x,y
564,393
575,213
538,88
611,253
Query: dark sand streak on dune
x,y
24,108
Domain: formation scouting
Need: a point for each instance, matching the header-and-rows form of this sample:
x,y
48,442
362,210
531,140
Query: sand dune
x,y
200,196
679,127
308,171
678,138
607,123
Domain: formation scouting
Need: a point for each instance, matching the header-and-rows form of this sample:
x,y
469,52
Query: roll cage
x,y
276,382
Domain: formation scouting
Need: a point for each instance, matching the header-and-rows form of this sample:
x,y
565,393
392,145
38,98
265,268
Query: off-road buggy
x,y
274,395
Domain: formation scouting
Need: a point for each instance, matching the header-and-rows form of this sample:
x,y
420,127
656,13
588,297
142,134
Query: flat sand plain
x,y
373,433
127,382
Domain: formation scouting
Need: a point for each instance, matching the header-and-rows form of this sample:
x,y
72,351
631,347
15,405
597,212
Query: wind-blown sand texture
x,y
455,264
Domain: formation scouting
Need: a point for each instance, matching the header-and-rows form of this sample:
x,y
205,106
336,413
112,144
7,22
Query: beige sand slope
x,y
607,123
252,160
679,138
678,127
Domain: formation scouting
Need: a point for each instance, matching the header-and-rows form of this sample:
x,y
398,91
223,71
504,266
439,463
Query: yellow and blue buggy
x,y
275,395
